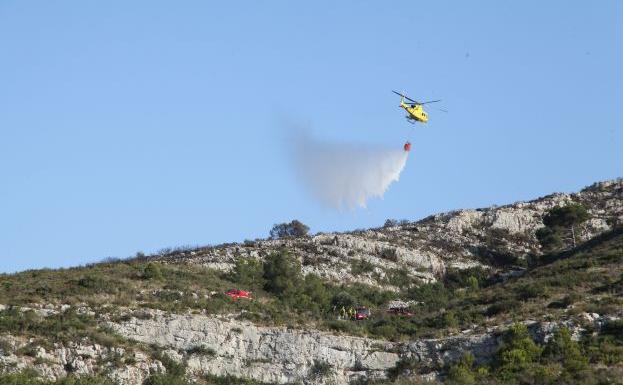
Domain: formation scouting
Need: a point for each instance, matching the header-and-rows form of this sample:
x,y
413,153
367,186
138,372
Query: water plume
x,y
346,174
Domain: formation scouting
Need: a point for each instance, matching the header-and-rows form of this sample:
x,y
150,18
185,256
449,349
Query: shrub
x,y
473,278
166,379
229,380
282,273
342,326
361,266
502,306
531,290
175,372
383,328
473,283
390,223
614,328
603,350
396,222
292,229
152,271
248,272
343,299
399,278
517,351
498,257
389,254
403,367
562,349
450,320
433,295
201,350
565,302
566,216
314,293
549,239
461,373
560,224
319,369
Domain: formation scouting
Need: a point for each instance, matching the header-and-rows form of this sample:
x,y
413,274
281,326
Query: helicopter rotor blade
x,y
406,97
431,101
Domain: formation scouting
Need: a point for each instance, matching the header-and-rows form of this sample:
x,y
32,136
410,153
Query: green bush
x,y
433,295
282,273
502,306
343,299
343,326
450,320
361,266
517,350
152,271
166,379
248,272
389,254
560,224
461,373
473,283
603,350
563,350
472,278
549,239
313,295
566,216
531,290
400,278
565,302
292,229
614,328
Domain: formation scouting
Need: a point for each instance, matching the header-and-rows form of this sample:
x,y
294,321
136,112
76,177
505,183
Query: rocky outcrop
x,y
427,248
221,346
80,358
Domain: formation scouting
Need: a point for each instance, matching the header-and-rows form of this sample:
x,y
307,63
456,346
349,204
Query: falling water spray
x,y
347,175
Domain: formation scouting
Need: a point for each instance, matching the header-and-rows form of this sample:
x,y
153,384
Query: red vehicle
x,y
235,294
362,313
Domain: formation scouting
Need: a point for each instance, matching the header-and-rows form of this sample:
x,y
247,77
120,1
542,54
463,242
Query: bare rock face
x,y
221,346
269,354
80,359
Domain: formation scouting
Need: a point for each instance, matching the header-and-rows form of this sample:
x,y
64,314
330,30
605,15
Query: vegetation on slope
x,y
590,279
555,286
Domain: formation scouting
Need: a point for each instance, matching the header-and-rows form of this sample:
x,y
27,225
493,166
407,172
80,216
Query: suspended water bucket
x,y
407,146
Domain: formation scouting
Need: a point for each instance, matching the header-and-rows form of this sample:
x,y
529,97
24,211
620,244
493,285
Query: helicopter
x,y
415,111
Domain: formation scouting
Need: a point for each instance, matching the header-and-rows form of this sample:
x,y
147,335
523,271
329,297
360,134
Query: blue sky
x,y
134,126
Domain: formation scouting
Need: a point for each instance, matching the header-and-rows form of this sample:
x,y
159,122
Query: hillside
x,y
491,237
493,295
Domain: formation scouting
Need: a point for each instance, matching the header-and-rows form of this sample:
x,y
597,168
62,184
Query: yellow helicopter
x,y
415,111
